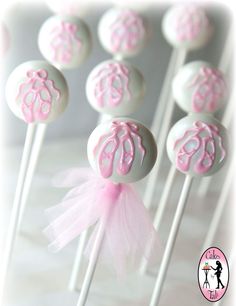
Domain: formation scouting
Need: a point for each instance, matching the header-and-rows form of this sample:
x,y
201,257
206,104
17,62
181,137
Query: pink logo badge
x,y
213,274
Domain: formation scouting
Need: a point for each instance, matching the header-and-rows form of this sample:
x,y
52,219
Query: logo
x,y
213,274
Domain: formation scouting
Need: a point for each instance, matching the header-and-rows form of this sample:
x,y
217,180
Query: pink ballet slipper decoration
x,y
128,229
198,141
119,144
36,96
209,88
127,31
65,42
112,84
190,22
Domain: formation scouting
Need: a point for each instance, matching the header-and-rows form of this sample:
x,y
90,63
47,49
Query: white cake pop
x,y
65,41
200,88
115,88
37,92
197,145
186,26
122,32
122,150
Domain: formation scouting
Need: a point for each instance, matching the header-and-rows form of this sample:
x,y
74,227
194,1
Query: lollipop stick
x,y
78,261
36,148
92,262
160,212
14,219
215,221
160,108
171,241
161,141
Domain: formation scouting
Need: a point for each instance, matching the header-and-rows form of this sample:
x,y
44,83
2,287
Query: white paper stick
x,y
215,221
92,262
160,108
160,212
14,219
161,141
171,241
226,56
34,156
78,261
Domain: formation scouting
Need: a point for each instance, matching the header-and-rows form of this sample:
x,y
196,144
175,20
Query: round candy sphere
x,y
115,88
122,32
197,145
65,41
37,92
200,88
186,26
122,150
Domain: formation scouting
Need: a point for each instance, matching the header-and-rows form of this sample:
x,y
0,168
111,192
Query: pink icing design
x,y
189,22
199,141
122,136
36,95
111,84
65,43
210,87
126,31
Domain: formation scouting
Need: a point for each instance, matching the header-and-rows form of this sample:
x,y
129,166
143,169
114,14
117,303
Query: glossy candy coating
x,y
186,26
197,145
122,150
65,41
37,92
115,88
122,32
198,87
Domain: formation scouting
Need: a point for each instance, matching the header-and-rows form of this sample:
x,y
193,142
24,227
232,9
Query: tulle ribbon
x,y
128,228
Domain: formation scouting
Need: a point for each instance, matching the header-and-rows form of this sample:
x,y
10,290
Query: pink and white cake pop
x,y
197,145
200,88
186,26
65,41
37,92
115,88
122,150
122,32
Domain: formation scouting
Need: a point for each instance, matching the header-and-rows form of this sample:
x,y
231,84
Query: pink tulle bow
x,y
128,229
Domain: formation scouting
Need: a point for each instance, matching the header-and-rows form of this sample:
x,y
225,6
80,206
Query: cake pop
x,y
180,28
115,88
120,150
65,41
186,26
37,93
198,87
122,32
197,146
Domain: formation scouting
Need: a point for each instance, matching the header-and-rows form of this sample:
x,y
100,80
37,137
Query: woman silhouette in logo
x,y
218,270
